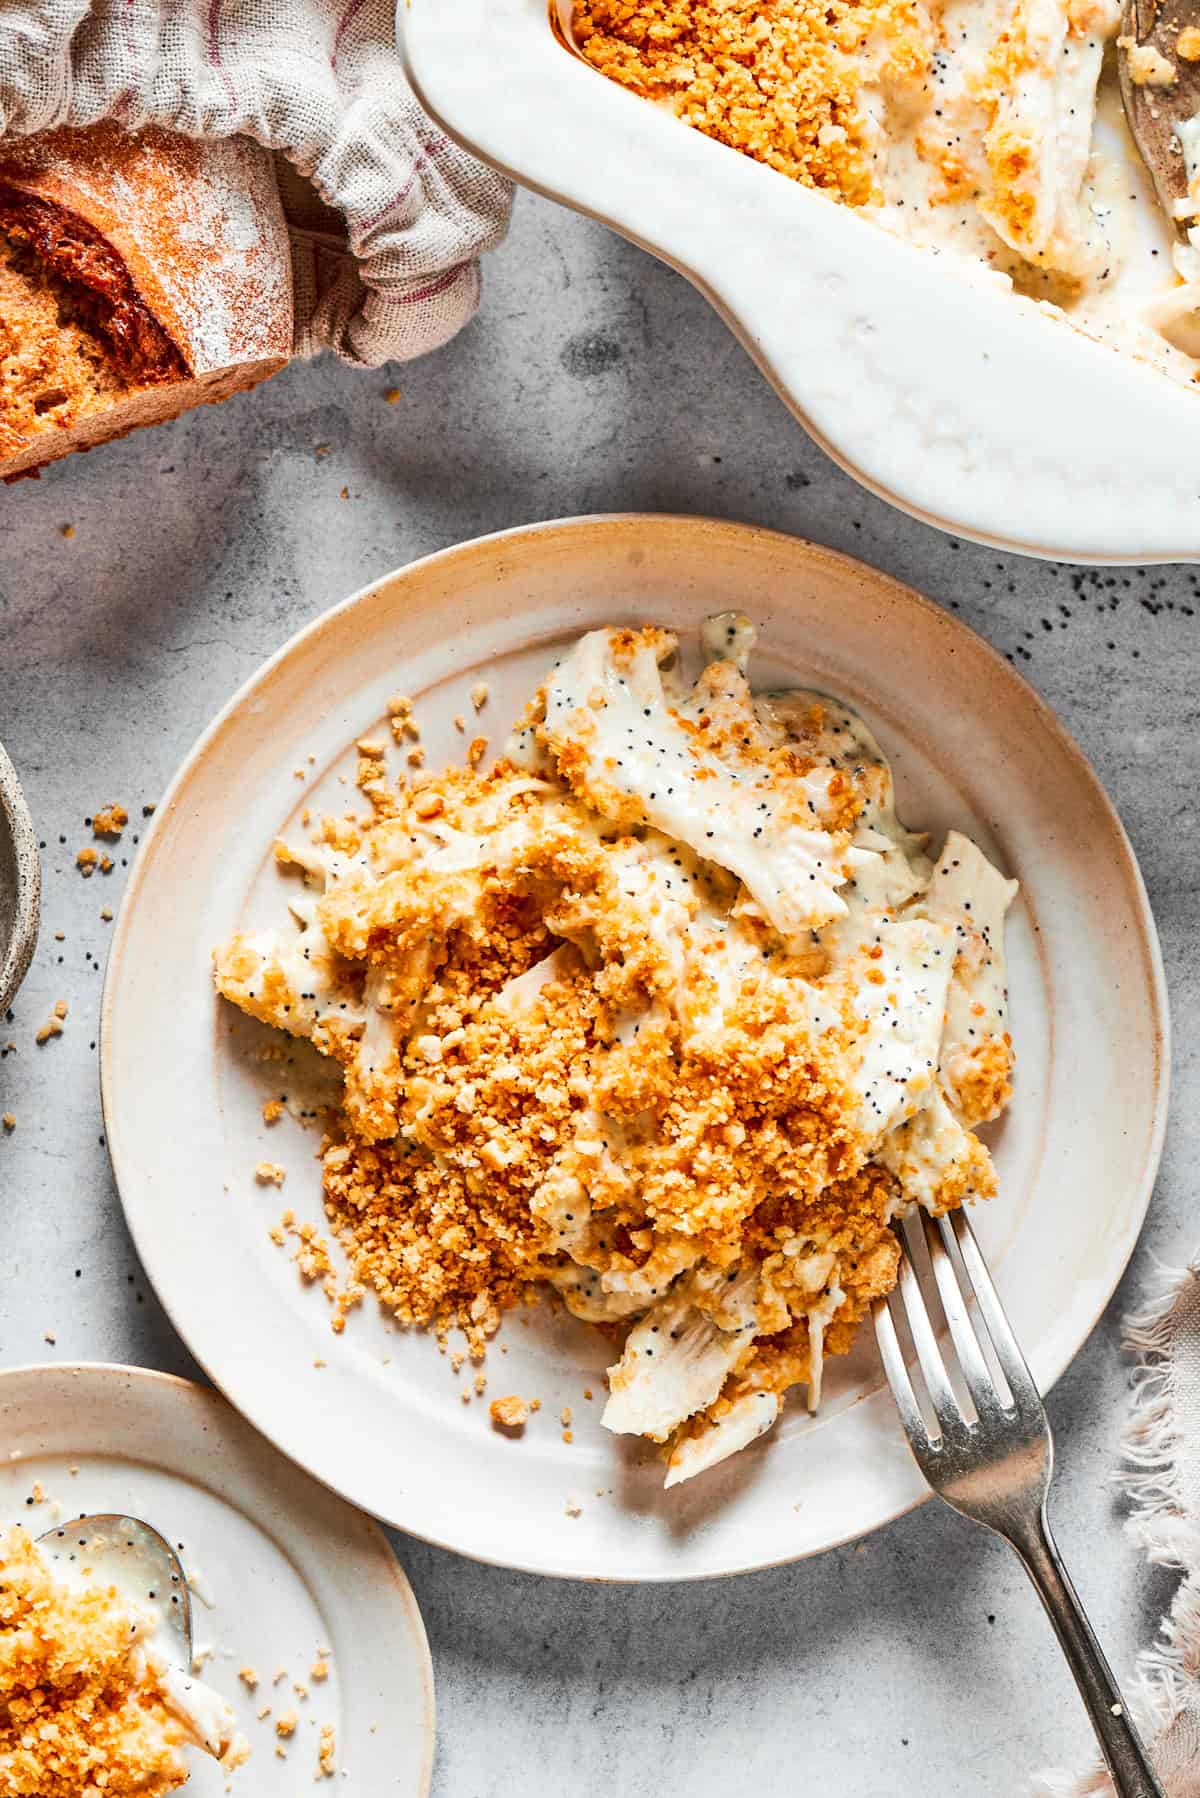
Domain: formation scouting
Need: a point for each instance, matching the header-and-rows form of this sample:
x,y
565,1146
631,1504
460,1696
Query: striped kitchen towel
x,y
390,218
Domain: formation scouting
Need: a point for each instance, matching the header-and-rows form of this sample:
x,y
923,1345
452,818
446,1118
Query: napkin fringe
x,y
1159,1520
1164,1674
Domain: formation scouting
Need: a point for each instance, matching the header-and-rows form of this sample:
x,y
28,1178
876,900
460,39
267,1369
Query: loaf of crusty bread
x,y
139,275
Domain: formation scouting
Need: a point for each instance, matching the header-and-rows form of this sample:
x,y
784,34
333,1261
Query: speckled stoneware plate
x,y
966,406
281,1570
20,884
184,1079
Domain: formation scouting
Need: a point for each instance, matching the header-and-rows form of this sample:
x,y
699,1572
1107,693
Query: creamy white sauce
x,y
135,1569
613,708
1074,240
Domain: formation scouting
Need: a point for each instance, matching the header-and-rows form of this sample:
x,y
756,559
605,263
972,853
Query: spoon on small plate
x,y
1158,61
128,1554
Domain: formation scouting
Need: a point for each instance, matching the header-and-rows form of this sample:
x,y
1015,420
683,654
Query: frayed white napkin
x,y
318,81
1162,1479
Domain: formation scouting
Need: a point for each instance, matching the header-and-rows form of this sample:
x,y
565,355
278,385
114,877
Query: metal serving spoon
x,y
127,1553
1153,111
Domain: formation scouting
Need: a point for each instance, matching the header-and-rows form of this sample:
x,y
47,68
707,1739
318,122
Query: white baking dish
x,y
966,406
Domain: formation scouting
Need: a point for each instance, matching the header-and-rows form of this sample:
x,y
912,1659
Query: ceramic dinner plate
x,y
283,1573
380,1415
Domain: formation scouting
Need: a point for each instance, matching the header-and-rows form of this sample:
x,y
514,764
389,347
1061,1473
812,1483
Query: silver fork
x,y
996,1467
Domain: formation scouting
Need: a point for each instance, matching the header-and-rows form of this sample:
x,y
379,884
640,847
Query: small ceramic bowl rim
x,y
17,952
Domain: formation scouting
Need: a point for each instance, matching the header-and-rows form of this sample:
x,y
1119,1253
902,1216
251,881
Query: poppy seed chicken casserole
x,y
666,1011
89,1702
989,133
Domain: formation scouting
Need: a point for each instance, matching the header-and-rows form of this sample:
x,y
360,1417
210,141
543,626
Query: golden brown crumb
x,y
269,1173
479,695
319,1670
248,1676
476,750
272,1111
775,79
9,1121
286,1724
509,1413
107,864
1187,44
81,1711
68,530
400,719
109,821
53,1025
1147,66
460,723
106,914
565,1416
392,395
428,803
327,1751
86,859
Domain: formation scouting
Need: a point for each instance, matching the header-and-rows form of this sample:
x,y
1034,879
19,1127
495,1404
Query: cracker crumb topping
x,y
83,1708
509,1413
666,1011
109,821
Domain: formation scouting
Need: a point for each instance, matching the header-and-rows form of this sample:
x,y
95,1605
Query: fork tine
x,y
1008,1354
929,1355
892,1356
975,1369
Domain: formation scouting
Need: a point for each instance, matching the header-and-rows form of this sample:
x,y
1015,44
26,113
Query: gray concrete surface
x,y
913,1663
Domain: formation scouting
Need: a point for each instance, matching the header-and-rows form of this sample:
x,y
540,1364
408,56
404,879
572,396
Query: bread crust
x,y
197,225
140,275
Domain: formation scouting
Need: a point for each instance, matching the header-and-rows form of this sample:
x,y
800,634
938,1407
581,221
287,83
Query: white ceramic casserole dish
x,y
966,406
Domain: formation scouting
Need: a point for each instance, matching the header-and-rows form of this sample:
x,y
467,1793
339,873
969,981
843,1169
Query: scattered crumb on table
x,y
109,821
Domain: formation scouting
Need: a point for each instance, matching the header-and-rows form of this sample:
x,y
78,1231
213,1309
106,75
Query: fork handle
x,y
1120,1744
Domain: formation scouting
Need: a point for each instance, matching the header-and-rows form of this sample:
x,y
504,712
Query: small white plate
x,y
184,1083
281,1569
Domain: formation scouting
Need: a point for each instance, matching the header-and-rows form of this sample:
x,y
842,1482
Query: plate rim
x,y
220,1410
747,532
